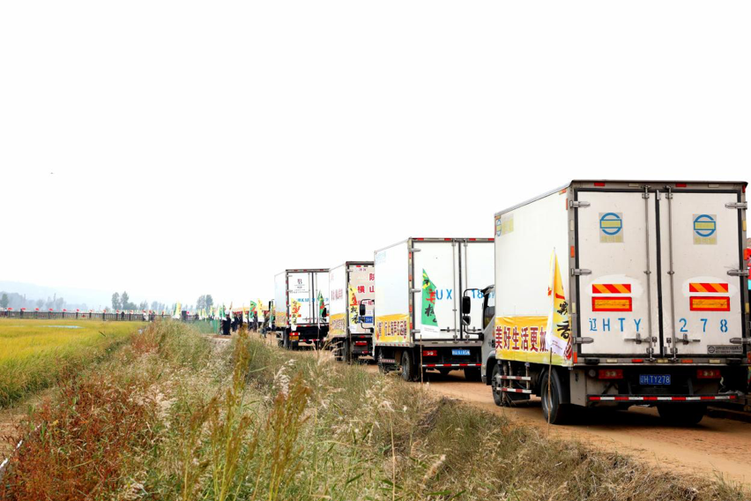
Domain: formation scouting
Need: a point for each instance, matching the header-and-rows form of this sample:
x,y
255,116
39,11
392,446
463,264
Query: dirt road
x,y
718,447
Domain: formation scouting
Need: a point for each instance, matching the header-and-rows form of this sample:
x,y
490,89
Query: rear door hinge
x,y
577,204
737,205
576,272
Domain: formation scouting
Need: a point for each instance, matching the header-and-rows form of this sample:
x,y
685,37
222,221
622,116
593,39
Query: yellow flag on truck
x,y
558,333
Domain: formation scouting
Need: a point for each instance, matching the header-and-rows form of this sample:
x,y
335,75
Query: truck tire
x,y
408,369
553,410
682,414
497,397
472,374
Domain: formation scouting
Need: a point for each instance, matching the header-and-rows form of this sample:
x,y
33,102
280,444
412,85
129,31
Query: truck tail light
x,y
429,353
610,374
361,343
708,374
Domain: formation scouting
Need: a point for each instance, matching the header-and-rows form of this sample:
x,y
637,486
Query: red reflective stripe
x,y
621,398
650,398
594,398
679,398
707,398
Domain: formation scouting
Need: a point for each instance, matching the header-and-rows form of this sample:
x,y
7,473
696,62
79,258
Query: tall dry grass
x,y
245,421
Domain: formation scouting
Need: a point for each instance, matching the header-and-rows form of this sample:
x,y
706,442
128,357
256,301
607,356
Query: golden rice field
x,y
35,353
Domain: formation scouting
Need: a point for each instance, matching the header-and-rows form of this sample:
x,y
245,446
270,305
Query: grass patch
x,y
35,353
208,419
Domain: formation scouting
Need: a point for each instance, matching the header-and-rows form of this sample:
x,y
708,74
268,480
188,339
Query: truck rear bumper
x,y
453,366
730,397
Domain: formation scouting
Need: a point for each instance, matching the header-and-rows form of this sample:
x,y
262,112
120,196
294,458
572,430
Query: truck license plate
x,y
654,379
460,352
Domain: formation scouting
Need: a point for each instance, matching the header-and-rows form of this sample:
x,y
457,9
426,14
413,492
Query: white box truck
x,y
648,305
351,311
422,286
301,298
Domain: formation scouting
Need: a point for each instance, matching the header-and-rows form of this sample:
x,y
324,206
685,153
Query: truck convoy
x,y
300,313
598,293
351,310
619,293
424,288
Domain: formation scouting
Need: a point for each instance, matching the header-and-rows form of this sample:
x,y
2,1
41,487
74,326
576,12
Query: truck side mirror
x,y
466,305
362,309
466,319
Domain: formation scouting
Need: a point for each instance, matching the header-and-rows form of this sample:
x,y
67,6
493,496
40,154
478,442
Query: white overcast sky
x,y
176,148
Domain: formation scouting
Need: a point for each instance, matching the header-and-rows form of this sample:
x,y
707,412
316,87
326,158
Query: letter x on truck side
x,y
351,313
652,306
301,297
424,290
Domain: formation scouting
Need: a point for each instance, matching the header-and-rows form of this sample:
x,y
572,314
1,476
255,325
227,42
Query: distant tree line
x,y
205,301
18,301
122,302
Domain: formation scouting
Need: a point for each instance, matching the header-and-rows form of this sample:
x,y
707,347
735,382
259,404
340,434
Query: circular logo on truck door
x,y
705,225
611,223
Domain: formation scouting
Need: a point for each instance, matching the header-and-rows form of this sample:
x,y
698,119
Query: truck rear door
x,y
435,282
320,292
300,304
616,255
361,289
701,289
477,259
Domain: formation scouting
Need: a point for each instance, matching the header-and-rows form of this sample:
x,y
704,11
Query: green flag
x,y
321,305
428,302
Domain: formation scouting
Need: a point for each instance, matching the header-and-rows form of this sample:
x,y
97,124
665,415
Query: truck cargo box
x,y
653,282
351,312
420,285
301,298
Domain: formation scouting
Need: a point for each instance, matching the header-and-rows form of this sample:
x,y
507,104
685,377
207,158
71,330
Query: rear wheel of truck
x,y
408,369
472,374
550,395
497,397
682,414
